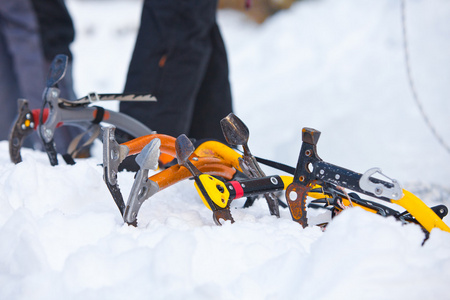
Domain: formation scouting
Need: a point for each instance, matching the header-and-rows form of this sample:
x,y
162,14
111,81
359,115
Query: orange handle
x,y
167,144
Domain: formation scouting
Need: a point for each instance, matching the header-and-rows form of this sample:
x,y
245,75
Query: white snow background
x,y
337,66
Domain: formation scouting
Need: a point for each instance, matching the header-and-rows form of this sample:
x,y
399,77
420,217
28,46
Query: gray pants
x,y
23,69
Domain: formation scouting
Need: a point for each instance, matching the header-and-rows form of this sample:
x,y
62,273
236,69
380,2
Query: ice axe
x,y
237,134
218,202
51,94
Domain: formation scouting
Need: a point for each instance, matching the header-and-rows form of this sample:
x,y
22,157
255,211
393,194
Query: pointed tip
x,y
149,156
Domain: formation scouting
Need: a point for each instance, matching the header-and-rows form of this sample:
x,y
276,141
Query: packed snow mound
x,y
59,225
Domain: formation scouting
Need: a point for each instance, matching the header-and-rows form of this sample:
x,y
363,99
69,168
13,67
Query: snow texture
x,y
337,66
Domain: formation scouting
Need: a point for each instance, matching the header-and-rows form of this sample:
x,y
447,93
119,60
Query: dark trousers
x,y
180,58
23,69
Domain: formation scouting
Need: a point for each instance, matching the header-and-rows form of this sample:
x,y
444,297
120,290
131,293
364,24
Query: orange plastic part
x,y
167,144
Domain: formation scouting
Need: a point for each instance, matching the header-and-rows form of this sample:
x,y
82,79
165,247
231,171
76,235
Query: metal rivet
x,y
378,191
273,180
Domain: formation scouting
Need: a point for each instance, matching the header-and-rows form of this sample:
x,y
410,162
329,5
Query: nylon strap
x,y
99,115
276,165
74,147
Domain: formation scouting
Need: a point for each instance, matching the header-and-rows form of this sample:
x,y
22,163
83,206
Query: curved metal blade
x,y
57,70
184,148
143,188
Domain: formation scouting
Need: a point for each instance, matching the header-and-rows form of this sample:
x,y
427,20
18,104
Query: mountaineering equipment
x,y
313,178
69,112
210,157
237,134
221,210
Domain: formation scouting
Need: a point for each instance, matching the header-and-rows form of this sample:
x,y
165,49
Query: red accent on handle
x,y
238,188
37,112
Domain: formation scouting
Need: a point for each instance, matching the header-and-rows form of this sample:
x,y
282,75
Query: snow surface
x,y
337,66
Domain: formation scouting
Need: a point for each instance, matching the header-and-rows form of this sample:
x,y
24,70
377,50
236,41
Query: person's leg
x,y
170,59
9,90
214,97
23,70
22,56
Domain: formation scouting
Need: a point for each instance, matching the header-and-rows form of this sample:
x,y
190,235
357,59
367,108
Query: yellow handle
x,y
419,210
215,189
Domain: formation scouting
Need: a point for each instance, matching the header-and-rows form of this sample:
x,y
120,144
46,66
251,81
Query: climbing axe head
x,y
149,156
184,149
235,131
57,70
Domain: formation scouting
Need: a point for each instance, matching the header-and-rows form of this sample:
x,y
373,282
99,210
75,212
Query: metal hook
x,y
378,188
